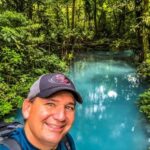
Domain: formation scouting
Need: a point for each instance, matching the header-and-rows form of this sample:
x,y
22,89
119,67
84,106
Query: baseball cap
x,y
49,84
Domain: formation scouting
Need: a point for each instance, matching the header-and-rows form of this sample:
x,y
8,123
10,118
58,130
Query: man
x,y
49,112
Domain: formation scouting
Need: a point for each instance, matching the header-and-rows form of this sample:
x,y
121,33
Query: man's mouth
x,y
55,127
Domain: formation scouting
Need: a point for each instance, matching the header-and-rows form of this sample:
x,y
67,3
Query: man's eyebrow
x,y
52,99
55,100
71,103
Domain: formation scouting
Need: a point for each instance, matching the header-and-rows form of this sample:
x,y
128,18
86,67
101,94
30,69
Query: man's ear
x,y
26,108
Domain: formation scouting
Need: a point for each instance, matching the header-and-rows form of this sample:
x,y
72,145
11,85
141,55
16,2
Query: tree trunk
x,y
89,22
73,14
145,30
19,5
30,9
88,13
67,15
102,23
138,12
95,16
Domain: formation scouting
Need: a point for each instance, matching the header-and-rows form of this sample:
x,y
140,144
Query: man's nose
x,y
60,114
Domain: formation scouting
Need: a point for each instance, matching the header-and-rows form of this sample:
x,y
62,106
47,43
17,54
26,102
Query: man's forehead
x,y
73,102
62,96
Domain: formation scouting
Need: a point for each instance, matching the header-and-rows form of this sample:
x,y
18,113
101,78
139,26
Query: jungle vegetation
x,y
42,36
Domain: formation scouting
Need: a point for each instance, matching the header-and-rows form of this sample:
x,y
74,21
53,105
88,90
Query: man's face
x,y
49,119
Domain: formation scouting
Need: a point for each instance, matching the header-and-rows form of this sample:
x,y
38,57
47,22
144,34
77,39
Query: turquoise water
x,y
109,118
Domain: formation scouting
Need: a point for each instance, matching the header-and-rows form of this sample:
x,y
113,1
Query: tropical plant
x,y
22,59
144,103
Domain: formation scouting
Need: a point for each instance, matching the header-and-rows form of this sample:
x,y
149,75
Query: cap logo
x,y
59,79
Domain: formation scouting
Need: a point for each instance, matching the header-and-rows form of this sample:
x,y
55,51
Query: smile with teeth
x,y
54,127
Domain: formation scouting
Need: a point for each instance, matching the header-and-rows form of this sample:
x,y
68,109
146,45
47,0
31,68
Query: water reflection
x,y
112,89
109,118
112,94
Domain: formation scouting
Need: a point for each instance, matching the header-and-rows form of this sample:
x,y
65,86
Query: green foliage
x,y
120,44
144,103
13,19
144,99
144,70
21,59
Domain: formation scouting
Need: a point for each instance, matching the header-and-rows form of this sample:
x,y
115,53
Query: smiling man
x,y
49,113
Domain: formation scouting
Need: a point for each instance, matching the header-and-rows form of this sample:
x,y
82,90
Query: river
x,y
109,118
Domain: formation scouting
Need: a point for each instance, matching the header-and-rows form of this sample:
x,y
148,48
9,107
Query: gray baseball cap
x,y
49,84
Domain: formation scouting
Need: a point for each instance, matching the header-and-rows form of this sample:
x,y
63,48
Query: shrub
x,y
144,103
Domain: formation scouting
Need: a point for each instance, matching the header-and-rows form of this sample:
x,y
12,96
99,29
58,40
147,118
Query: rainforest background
x,y
41,36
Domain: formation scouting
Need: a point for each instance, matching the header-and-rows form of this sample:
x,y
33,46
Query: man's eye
x,y
50,104
70,108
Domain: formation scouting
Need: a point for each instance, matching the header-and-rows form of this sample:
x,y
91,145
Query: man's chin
x,y
54,138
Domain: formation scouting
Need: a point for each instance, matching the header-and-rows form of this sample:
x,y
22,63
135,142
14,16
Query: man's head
x,y
49,110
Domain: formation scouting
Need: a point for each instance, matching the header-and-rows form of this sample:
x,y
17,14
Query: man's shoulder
x,y
19,141
8,141
69,137
6,129
68,142
3,147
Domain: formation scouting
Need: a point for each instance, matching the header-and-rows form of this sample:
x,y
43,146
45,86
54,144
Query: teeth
x,y
55,126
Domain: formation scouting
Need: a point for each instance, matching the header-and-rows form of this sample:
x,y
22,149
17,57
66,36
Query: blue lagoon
x,y
109,118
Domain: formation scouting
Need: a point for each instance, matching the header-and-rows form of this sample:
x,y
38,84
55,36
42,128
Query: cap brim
x,y
49,92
